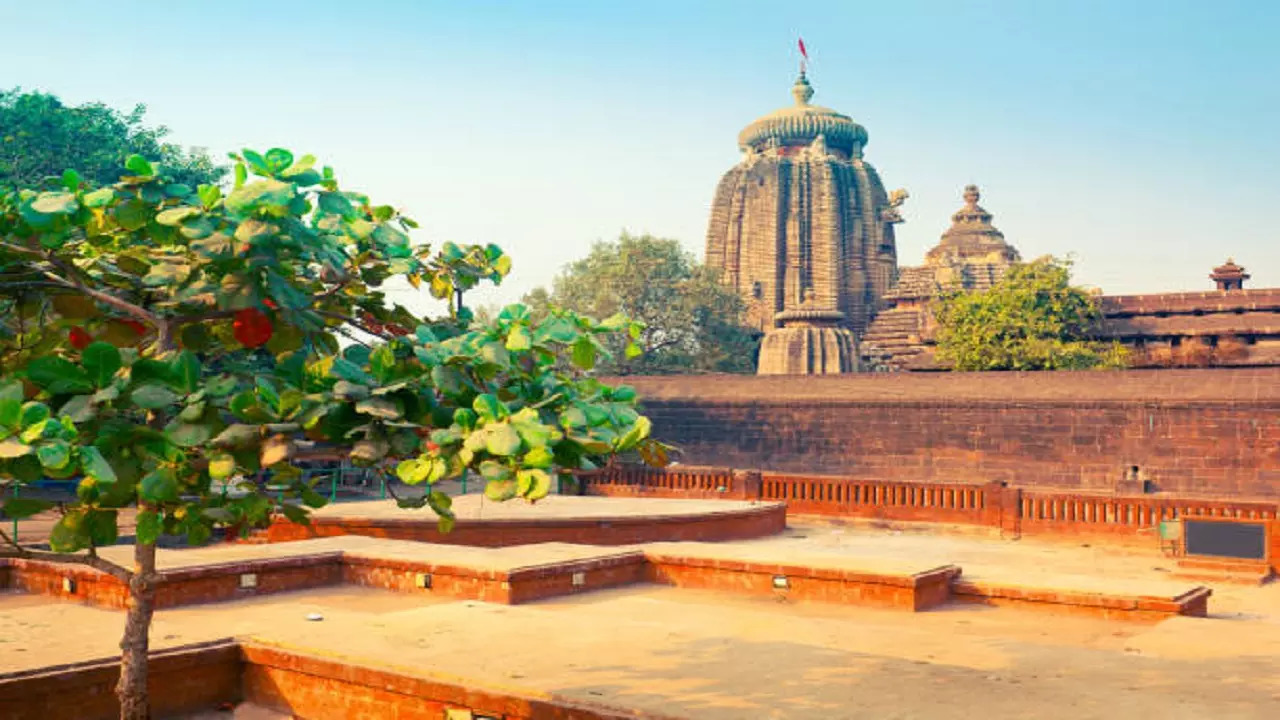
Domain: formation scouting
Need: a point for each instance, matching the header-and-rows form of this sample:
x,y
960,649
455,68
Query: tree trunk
x,y
132,689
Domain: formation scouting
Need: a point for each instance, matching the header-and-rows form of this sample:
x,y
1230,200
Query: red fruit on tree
x,y
252,327
432,447
79,338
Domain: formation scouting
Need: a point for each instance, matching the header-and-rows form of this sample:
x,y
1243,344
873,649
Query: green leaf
x,y
54,454
186,434
533,484
489,408
34,412
260,194
380,408
313,499
147,370
19,508
295,514
238,435
221,466
132,214
465,418
153,397
540,457
100,525
413,471
500,490
493,470
347,370
80,408
139,166
638,432
101,360
99,198
519,339
584,353
278,160
209,195
173,217
614,322
70,179
186,371
148,527
56,203
95,465
382,362
58,375
160,485
69,534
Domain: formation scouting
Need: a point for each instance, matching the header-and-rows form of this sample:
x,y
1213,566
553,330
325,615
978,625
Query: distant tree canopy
x,y
1033,319
692,323
41,137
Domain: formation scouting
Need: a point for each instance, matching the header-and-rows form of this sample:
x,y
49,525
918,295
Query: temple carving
x,y
802,228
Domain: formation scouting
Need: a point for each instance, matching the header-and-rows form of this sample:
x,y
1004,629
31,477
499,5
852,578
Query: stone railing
x,y
1012,510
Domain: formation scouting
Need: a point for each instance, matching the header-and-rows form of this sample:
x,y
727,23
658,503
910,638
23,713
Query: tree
x,y
200,361
1032,319
41,137
691,323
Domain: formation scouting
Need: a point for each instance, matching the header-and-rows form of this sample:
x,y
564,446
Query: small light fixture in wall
x,y
422,581
780,582
248,580
579,579
69,585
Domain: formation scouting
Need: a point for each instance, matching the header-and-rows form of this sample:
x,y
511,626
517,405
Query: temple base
x,y
808,350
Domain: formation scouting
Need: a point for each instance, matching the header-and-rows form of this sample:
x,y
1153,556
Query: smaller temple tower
x,y
1229,276
972,254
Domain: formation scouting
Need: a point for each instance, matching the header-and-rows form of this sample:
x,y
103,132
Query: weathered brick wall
x,y
1203,432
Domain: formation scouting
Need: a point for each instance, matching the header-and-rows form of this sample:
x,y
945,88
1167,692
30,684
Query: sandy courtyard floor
x,y
714,656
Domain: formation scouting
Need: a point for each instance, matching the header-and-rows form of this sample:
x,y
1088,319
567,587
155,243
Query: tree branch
x,y
352,321
103,565
69,279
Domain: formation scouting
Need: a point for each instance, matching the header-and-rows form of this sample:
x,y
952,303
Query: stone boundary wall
x,y
1213,432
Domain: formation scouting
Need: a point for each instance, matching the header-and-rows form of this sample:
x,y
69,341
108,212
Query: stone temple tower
x,y
802,228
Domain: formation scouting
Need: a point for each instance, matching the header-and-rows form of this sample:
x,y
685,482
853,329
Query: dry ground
x,y
719,657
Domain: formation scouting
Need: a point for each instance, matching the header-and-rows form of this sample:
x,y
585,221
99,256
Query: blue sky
x,y
1139,136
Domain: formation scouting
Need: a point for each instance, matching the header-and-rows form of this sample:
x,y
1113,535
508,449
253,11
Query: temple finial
x,y
971,194
802,91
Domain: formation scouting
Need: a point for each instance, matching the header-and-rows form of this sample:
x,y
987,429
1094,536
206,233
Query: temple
x,y
802,228
972,255
1227,326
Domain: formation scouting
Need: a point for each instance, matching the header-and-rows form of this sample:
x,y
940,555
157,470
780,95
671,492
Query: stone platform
x,y
521,574
556,518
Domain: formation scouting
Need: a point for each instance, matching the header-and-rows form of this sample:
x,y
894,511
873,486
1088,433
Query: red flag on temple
x,y
803,52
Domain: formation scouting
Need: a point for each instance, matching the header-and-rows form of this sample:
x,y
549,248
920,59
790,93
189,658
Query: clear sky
x,y
1142,137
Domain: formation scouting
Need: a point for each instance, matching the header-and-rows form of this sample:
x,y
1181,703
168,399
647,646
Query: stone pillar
x,y
747,484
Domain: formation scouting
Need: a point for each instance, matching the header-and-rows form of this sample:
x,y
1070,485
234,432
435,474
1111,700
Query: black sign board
x,y
1226,539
